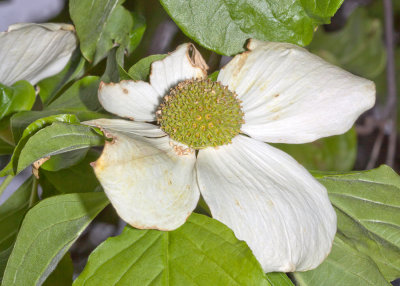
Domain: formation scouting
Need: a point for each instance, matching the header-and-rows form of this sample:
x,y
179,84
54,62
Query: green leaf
x,y
5,132
279,279
335,153
113,69
224,26
46,234
136,34
64,160
100,25
32,128
115,61
368,207
358,47
4,255
141,70
12,212
81,96
18,97
55,139
5,148
201,252
62,275
214,76
80,99
50,88
344,266
76,179
22,120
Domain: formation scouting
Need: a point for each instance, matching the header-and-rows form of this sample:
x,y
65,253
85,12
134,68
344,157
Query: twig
x,y
391,103
376,149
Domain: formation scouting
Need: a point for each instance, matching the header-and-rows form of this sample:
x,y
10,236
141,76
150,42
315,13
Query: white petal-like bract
x,y
149,185
292,96
270,201
136,100
35,51
126,126
182,64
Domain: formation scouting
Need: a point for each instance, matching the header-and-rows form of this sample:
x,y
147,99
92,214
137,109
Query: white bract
x,y
269,200
35,51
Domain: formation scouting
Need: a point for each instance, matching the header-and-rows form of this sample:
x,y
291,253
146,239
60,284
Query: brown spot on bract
x,y
67,27
106,133
36,165
264,87
195,58
276,109
98,165
124,90
241,62
238,204
276,95
242,59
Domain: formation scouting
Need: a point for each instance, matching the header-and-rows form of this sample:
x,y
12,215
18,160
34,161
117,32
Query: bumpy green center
x,y
200,114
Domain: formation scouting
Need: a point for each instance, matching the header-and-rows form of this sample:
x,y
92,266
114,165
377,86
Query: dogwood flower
x,y
35,51
209,140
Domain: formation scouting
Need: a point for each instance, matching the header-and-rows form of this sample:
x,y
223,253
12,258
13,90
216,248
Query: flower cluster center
x,y
200,114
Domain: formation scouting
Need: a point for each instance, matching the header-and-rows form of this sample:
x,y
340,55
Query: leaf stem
x,y
376,149
34,193
5,183
391,103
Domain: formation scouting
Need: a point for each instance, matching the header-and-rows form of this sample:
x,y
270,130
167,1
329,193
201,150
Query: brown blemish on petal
x,y
181,150
238,204
68,27
101,85
241,61
276,95
276,109
124,90
252,44
264,87
36,165
106,133
99,164
196,59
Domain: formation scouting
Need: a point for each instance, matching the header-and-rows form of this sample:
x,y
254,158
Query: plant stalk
x,y
5,183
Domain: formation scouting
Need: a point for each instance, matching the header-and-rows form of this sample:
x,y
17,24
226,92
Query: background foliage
x,y
47,236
